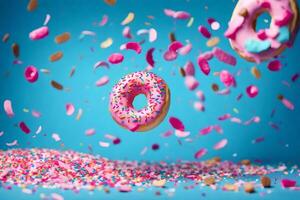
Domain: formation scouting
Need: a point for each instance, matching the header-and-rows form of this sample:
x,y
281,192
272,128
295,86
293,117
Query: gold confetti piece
x,y
79,114
209,180
64,37
5,37
255,72
32,5
182,72
110,2
106,43
15,49
128,19
56,85
212,41
190,23
56,56
159,183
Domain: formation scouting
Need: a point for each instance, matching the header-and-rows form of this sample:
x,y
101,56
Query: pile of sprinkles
x,y
74,171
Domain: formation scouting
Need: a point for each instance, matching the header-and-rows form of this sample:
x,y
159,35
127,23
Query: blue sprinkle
x,y
256,46
284,34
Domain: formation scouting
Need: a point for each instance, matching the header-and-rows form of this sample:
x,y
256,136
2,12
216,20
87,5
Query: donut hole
x,y
139,101
262,21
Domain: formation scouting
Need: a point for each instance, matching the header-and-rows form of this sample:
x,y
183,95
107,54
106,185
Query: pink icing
x,y
240,28
124,92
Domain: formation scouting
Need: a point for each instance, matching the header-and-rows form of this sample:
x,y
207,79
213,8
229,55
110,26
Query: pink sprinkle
x,y
226,78
286,18
189,68
206,130
167,133
224,57
126,32
181,15
286,183
274,65
24,127
102,81
198,106
170,55
56,196
39,33
101,64
56,137
70,109
200,95
8,108
204,31
221,144
224,117
31,74
252,91
169,12
200,153
90,132
36,113
185,49
288,104
182,134
174,46
149,57
191,82
204,66
135,46
176,123
115,58
152,35
218,129
104,20
261,34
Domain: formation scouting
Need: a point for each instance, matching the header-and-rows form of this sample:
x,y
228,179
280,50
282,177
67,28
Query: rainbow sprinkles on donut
x,y
257,46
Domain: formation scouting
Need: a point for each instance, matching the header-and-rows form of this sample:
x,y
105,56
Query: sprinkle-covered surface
x,y
124,92
75,171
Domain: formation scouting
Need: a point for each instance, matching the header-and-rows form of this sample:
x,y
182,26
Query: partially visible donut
x,y
256,46
124,92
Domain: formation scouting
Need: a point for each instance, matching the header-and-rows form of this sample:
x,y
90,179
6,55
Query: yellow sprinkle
x,y
25,110
106,43
212,41
128,19
191,21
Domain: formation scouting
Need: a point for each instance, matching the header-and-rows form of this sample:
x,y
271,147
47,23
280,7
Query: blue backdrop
x,y
74,16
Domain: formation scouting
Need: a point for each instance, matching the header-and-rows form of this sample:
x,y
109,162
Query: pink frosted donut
x,y
260,45
124,92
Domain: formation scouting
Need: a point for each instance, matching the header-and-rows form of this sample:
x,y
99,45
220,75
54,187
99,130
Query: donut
x,y
122,96
257,46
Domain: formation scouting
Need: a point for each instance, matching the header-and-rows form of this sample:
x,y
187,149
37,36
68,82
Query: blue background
x,y
78,15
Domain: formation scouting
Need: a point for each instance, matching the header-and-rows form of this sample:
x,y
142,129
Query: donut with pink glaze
x,y
256,46
124,92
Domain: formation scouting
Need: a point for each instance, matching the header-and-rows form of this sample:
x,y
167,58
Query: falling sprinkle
x,y
128,19
55,137
13,143
102,81
56,56
70,109
106,43
56,85
221,144
32,5
200,153
24,127
90,132
103,144
8,108
115,58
